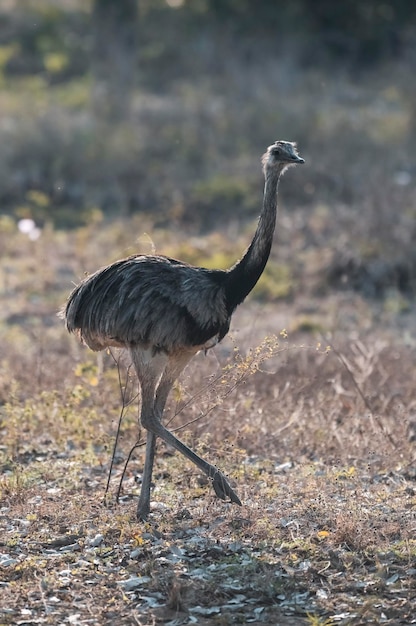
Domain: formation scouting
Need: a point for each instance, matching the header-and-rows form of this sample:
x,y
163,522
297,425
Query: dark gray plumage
x,y
164,311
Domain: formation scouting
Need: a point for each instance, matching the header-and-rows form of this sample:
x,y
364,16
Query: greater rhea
x,y
164,311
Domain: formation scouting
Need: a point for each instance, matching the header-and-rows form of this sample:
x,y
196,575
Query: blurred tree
x,y
114,55
364,32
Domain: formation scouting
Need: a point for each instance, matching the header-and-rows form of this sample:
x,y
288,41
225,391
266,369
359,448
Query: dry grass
x,y
309,424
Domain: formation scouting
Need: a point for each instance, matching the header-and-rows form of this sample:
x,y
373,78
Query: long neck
x,y
243,276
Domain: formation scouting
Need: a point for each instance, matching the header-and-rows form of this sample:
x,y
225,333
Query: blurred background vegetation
x,y
162,108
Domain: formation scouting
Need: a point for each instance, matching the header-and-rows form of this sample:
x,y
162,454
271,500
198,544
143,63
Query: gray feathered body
x,y
150,301
163,304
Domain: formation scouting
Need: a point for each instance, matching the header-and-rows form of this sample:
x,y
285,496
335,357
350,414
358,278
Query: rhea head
x,y
281,155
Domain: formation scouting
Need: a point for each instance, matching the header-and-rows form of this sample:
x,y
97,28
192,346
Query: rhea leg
x,y
219,482
172,370
143,506
149,372
149,369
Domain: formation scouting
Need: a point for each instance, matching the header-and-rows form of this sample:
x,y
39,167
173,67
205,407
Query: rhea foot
x,y
223,489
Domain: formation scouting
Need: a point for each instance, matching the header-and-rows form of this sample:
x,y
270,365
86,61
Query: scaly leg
x,y
170,374
151,414
221,486
143,507
149,371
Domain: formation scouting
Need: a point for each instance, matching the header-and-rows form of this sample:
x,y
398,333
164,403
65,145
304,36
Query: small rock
x,y
73,547
96,541
283,467
135,553
6,560
134,582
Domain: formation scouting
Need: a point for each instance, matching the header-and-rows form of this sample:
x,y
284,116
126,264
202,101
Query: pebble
x,y
134,582
96,541
136,552
73,547
6,560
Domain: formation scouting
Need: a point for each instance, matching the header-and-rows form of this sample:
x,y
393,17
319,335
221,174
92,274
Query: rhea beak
x,y
298,159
